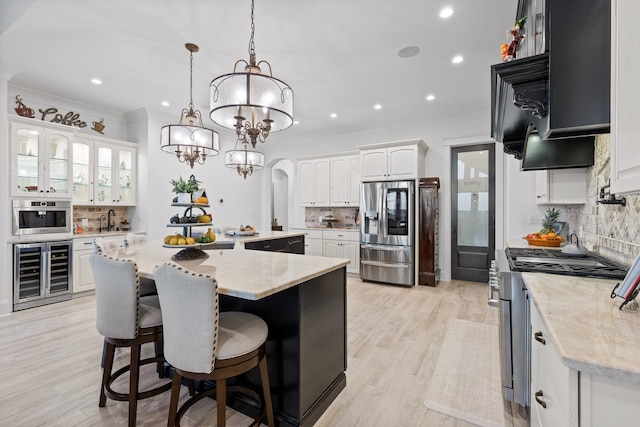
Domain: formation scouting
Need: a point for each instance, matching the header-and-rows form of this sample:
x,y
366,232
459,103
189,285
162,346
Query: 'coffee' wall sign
x,y
69,119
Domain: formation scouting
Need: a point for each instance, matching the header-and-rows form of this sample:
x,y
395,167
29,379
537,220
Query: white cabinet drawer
x,y
313,234
352,236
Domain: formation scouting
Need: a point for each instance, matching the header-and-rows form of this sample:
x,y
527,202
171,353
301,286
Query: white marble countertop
x,y
241,273
587,329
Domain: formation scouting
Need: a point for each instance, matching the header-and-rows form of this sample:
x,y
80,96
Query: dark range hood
x,y
546,109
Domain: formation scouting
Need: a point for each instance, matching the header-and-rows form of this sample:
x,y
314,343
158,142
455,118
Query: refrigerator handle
x,y
382,223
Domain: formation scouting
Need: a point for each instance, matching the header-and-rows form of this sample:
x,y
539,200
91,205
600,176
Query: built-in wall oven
x,y
42,216
508,291
42,273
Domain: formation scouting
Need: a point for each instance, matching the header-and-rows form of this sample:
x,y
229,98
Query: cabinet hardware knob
x,y
538,337
541,402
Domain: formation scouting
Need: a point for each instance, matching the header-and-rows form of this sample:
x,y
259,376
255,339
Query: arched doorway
x,y
281,189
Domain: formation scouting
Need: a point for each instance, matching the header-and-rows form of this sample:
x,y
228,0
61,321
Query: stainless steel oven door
x,y
35,217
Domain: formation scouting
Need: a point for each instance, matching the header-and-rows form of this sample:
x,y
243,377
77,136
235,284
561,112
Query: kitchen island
x,y
302,299
586,371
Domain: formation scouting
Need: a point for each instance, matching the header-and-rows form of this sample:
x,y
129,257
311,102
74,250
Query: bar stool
x,y
130,245
126,320
203,344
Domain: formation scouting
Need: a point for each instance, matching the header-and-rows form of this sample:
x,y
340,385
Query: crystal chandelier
x,y
249,102
244,160
191,142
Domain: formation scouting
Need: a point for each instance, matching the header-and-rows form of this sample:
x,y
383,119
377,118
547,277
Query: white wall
x,y
6,255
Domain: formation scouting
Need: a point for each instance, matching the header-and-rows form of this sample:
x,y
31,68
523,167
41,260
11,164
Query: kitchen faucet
x,y
101,218
109,221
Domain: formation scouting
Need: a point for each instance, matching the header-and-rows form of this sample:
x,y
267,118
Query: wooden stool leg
x,y
134,375
158,344
175,395
108,353
266,390
221,399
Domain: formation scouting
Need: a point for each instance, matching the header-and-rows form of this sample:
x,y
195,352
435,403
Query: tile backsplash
x,y
344,217
93,214
612,231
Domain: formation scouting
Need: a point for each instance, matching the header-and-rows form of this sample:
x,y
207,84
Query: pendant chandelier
x,y
249,102
244,160
189,140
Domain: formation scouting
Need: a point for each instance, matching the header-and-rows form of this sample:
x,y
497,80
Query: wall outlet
x,y
535,219
85,222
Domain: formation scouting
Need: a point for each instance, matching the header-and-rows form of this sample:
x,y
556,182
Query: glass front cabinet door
x,y
103,173
40,162
83,185
114,174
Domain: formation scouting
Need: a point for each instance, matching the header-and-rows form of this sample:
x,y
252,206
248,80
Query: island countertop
x,y
587,329
246,274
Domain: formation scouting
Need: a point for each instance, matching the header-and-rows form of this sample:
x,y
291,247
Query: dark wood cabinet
x,y
291,245
428,223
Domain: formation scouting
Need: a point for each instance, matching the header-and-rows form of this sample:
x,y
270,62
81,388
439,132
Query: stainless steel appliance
x,y
505,280
44,216
386,232
42,273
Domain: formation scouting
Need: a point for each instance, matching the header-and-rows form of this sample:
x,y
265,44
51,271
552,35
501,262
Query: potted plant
x,y
184,188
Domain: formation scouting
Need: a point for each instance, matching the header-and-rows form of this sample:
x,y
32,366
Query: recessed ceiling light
x,y
377,106
334,115
165,103
408,52
96,81
446,12
430,97
457,59
295,122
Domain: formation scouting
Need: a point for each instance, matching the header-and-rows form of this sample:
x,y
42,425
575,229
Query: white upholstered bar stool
x,y
131,244
203,344
125,320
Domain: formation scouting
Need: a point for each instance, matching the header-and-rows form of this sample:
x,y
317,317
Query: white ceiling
x,y
339,56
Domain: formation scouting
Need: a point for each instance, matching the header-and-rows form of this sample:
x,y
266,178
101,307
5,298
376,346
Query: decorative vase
x,y
184,197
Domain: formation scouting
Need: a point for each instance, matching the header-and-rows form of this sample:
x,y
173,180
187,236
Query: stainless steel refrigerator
x,y
387,232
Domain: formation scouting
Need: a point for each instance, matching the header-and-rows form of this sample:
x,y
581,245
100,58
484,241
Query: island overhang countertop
x,y
241,273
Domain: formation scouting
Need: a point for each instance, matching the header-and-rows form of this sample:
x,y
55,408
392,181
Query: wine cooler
x,y
41,274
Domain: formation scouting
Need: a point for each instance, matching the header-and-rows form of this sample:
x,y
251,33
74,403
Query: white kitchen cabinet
x,y
313,243
575,398
392,161
104,172
346,177
82,274
561,186
625,110
554,387
343,244
314,182
40,161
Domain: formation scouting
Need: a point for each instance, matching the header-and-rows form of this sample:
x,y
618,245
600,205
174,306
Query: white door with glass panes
x,y
40,162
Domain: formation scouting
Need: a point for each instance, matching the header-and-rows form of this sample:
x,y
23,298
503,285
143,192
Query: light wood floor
x,y
50,362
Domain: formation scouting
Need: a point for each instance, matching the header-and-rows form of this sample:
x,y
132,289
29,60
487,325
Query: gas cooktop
x,y
557,262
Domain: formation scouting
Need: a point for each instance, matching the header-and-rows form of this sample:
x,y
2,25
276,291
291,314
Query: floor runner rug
x,y
466,381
